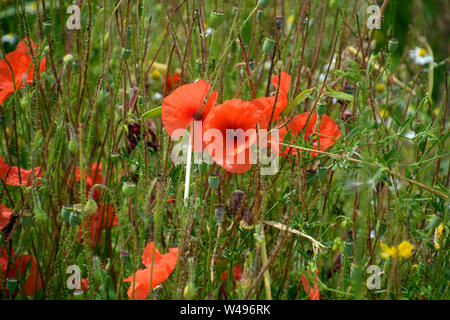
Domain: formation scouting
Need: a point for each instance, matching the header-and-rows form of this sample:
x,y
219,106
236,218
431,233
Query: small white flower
x,y
9,39
157,96
410,134
208,31
420,56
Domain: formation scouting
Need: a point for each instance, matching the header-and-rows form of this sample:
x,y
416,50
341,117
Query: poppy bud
x,y
321,109
189,291
73,146
91,207
126,53
216,18
213,181
75,218
11,284
262,3
129,188
234,11
68,58
268,45
27,219
40,215
333,4
392,45
65,212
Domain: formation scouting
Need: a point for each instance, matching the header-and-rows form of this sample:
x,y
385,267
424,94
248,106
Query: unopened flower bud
x,y
68,58
268,45
73,146
91,207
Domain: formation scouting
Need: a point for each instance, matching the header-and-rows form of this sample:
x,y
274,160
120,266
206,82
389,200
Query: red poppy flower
x,y
170,80
329,132
182,106
32,282
93,177
104,218
312,292
163,265
230,131
266,104
20,61
237,273
15,177
5,216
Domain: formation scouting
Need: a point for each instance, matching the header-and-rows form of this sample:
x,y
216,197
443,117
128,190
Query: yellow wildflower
x,y
379,88
156,75
387,251
405,249
384,113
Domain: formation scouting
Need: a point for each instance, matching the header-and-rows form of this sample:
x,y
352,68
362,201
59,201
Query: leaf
x,y
339,95
297,100
152,113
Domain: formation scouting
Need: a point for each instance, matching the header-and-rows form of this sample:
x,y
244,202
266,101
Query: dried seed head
x,y
236,201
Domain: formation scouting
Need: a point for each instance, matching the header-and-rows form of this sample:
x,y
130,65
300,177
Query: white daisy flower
x,y
9,39
420,56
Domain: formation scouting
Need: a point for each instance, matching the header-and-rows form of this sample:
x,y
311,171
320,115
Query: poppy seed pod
x,y
91,207
129,188
27,219
75,218
216,18
65,212
11,284
262,3
213,181
268,45
392,45
126,53
259,14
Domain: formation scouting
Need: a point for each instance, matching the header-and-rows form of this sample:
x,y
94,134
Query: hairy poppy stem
x,y
188,171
